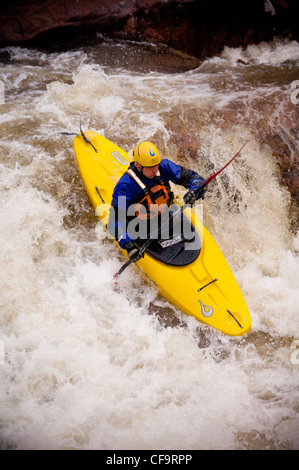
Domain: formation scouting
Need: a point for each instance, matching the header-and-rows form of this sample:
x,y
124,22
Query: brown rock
x,y
197,27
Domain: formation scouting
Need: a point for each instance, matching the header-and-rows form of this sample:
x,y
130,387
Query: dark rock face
x,y
197,27
200,28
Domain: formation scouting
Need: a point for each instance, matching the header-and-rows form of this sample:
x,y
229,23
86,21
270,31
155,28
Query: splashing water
x,y
83,367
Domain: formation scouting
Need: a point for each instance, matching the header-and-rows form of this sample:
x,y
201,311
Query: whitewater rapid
x,y
84,367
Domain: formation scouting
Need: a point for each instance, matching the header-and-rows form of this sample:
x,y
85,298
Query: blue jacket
x,y
127,192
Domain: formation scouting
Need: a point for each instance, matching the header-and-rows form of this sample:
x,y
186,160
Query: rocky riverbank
x,y
199,28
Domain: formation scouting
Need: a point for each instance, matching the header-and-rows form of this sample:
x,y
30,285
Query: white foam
x,y
273,53
88,368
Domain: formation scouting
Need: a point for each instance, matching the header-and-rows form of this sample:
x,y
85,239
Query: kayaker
x,y
143,193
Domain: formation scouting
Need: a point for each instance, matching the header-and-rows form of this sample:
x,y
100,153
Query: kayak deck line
x,y
235,318
97,190
203,287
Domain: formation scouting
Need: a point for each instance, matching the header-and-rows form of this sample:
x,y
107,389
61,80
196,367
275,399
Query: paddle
x,y
174,214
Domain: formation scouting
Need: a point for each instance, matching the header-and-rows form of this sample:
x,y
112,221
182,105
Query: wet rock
x,y
200,28
288,163
284,146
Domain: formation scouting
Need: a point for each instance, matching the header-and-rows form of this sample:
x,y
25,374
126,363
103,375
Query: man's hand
x,y
133,251
189,198
201,194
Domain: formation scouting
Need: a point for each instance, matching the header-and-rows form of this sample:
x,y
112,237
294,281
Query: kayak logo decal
x,y
208,312
119,158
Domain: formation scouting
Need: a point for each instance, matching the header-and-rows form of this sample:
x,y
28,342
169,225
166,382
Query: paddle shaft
x,y
152,237
174,214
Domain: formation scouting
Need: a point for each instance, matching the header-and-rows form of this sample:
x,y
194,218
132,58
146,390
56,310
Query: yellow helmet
x,y
146,154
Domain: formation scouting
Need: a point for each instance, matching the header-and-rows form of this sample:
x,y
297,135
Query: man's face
x,y
150,171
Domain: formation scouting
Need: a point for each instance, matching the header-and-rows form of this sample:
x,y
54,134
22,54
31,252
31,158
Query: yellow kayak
x,y
204,286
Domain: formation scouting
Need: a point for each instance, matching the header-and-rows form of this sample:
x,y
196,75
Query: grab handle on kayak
x,y
86,139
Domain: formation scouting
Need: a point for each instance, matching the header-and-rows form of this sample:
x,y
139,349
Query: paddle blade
x,y
211,177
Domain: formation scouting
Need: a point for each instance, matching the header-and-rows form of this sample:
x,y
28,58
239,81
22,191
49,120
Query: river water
x,y
83,367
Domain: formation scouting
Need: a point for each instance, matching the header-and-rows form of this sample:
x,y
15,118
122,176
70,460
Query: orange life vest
x,y
154,200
